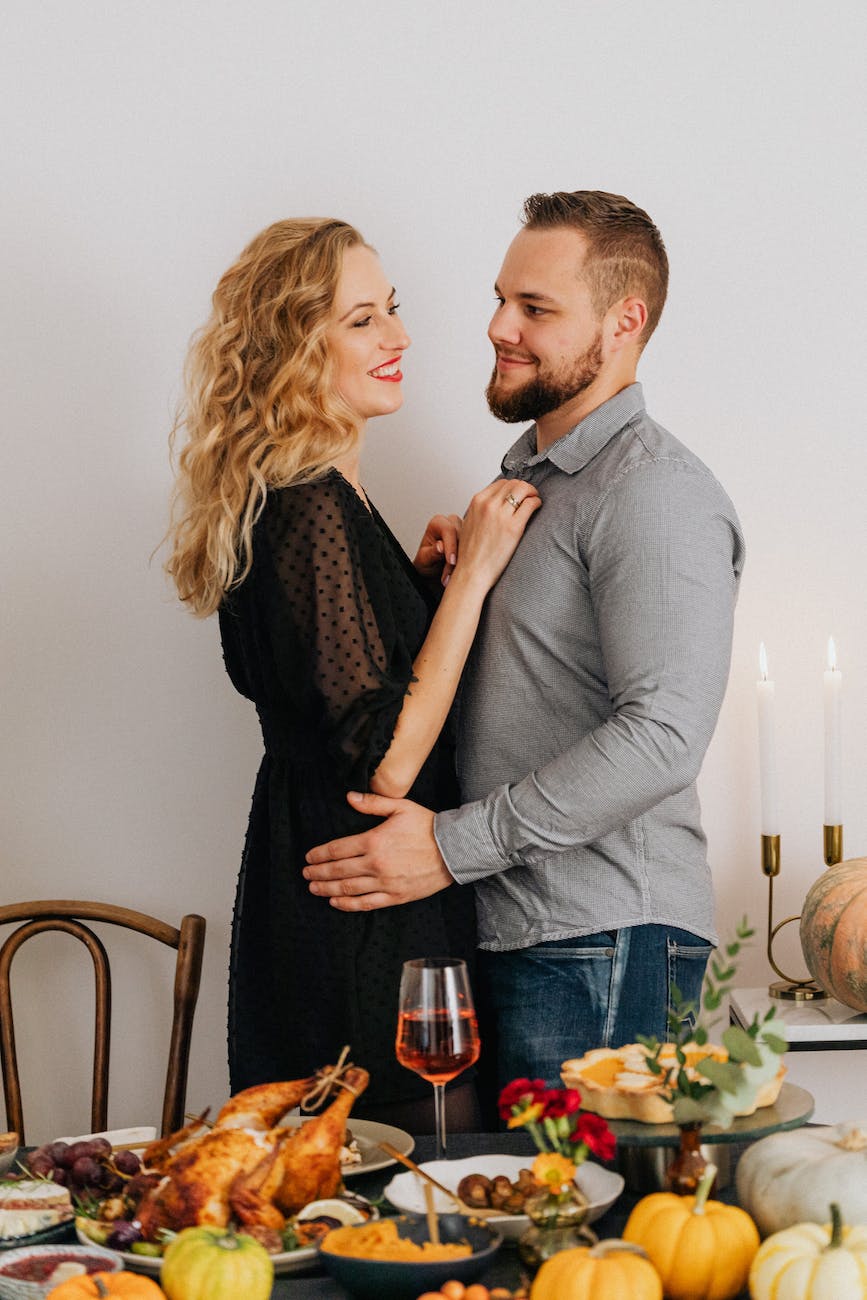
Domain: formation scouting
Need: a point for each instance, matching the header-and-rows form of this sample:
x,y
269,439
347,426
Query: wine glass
x,y
437,1030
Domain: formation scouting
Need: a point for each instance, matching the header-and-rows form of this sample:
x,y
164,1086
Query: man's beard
x,y
543,394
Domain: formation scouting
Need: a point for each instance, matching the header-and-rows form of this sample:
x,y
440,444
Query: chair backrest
x,y
67,915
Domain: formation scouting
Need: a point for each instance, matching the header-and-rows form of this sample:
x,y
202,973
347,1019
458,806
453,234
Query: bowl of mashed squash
x,y
395,1258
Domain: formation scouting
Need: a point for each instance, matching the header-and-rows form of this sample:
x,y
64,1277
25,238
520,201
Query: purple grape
x,y
86,1172
127,1162
59,1175
39,1162
100,1148
78,1150
123,1235
58,1152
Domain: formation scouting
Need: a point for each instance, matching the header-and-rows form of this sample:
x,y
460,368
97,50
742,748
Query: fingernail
x,y
440,547
446,577
453,559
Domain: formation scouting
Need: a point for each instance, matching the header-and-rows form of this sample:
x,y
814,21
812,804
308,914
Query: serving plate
x,y
287,1261
601,1187
57,1233
367,1134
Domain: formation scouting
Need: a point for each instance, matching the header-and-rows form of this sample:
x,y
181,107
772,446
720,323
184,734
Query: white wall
x,y
143,144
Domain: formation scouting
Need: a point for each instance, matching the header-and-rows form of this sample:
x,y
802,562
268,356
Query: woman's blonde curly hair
x,y
261,407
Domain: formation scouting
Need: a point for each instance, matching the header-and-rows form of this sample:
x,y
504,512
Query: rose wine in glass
x,y
437,1030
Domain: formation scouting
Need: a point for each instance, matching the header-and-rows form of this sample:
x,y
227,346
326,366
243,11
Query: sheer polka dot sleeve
x,y
340,648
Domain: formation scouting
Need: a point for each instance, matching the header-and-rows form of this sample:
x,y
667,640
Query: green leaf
x,y
741,1047
700,1035
724,1075
712,1000
732,949
775,1043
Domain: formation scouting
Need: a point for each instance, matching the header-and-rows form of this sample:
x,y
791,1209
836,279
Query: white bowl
x,y
601,1187
8,1150
12,1288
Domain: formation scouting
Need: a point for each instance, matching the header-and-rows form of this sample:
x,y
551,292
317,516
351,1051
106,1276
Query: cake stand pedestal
x,y
645,1150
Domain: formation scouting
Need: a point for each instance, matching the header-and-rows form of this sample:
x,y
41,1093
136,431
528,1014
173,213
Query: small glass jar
x,y
558,1221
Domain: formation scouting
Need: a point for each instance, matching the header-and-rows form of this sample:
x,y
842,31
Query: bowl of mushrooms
x,y
498,1185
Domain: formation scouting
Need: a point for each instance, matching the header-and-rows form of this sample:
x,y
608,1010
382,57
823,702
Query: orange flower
x,y
553,1170
529,1115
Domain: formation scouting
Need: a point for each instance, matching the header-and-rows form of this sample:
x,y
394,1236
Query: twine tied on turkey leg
x,y
328,1079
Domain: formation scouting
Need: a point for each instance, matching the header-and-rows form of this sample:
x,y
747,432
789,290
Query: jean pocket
x,y
686,967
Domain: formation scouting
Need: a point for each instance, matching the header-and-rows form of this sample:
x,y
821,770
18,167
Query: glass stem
x,y
440,1117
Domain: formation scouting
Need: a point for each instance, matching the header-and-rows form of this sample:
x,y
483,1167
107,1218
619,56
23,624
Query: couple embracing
x,y
584,605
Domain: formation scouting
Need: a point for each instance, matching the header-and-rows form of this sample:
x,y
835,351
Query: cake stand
x,y
644,1150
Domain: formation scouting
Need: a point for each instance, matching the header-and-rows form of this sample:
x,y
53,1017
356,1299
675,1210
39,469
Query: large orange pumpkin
x,y
94,1285
834,932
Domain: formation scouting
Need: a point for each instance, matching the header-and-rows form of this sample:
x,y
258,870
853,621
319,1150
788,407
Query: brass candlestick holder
x,y
787,988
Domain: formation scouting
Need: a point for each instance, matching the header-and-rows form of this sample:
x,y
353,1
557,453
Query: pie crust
x,y
618,1084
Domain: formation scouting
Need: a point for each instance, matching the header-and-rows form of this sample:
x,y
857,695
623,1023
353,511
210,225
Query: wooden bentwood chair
x,y
67,915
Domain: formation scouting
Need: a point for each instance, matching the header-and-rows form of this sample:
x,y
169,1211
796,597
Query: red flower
x,y
593,1130
562,1101
521,1090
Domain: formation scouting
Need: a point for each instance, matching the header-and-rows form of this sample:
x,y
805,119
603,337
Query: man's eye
x,y
498,299
535,311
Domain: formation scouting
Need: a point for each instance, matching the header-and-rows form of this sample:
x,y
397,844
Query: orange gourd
x,y
834,932
611,1269
701,1249
96,1286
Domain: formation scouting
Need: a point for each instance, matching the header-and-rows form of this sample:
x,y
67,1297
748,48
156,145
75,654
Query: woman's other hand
x,y
437,552
494,525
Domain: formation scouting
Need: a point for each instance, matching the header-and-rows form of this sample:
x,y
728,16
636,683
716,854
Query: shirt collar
x,y
577,447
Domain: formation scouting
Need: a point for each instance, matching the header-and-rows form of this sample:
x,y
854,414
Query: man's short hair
x,y
625,253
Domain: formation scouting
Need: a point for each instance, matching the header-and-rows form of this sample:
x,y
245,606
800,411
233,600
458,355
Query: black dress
x,y
322,635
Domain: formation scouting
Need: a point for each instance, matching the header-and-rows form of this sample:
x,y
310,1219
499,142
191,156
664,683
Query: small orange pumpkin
x,y
94,1286
834,932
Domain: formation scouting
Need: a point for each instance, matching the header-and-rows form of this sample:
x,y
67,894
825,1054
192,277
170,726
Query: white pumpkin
x,y
793,1177
807,1262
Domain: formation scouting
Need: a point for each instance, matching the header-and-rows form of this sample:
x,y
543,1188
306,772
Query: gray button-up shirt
x,y
593,690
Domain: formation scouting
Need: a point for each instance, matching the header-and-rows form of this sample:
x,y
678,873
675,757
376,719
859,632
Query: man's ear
x,y
626,322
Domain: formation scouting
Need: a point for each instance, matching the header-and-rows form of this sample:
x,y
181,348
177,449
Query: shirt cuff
x,y
464,839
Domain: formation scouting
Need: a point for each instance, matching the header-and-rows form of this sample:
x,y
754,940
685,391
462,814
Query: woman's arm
x,y
490,533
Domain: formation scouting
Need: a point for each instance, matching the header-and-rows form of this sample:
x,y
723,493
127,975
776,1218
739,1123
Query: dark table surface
x,y
507,1268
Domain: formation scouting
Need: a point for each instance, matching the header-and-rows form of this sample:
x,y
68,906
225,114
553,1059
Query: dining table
x,y
506,1269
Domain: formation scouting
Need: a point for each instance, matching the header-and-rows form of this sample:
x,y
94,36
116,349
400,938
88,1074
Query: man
x,y
597,675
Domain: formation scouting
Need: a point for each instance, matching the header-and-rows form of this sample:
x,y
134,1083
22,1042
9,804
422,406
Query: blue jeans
x,y
560,999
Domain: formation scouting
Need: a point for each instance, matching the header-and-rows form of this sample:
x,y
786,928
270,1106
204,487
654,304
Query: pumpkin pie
x,y
617,1083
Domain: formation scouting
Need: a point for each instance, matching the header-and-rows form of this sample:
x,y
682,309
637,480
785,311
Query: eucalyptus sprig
x,y
722,1088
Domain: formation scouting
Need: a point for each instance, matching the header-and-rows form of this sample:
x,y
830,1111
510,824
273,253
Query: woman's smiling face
x,y
366,337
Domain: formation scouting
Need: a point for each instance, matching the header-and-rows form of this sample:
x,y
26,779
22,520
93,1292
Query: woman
x,y
338,639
